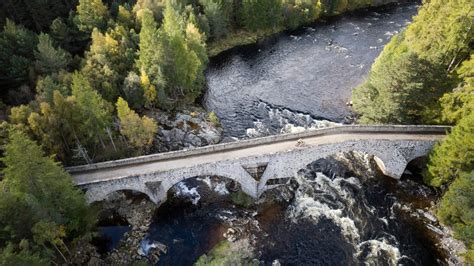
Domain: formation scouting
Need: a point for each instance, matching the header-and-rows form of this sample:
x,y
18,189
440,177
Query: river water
x,y
299,77
328,214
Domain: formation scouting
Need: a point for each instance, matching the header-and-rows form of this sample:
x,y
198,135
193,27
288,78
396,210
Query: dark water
x,y
329,218
300,76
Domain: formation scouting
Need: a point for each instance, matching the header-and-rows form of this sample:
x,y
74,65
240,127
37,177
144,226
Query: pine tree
x,y
401,89
185,72
140,132
8,256
261,14
454,155
95,111
460,102
218,21
133,91
439,40
155,6
16,54
456,208
36,190
50,59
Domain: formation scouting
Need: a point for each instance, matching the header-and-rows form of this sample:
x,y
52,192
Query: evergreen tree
x,y
454,155
401,89
460,102
438,44
218,21
45,86
68,36
442,32
8,256
185,71
37,191
91,14
125,17
16,54
50,59
261,14
36,15
456,210
96,112
155,6
140,132
57,125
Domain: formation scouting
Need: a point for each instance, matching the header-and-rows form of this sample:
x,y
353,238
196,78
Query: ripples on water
x,y
309,73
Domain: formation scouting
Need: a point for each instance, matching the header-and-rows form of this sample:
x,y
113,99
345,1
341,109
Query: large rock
x,y
185,129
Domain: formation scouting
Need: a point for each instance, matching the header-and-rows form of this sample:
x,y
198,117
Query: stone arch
x,y
156,184
233,171
390,158
100,191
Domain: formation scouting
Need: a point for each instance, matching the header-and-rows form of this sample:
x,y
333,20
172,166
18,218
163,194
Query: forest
x,y
425,75
78,78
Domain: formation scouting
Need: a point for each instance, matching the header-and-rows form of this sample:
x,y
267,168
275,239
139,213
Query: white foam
x,y
376,249
190,193
145,246
307,206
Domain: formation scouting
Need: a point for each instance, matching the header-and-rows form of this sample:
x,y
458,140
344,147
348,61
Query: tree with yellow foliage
x,y
139,131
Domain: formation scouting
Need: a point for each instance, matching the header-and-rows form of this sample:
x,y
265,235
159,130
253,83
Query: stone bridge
x,y
257,164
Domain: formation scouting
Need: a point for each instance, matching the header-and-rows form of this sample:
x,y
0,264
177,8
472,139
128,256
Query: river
x,y
298,77
329,214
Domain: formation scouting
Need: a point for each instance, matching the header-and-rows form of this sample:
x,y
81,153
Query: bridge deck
x,y
254,147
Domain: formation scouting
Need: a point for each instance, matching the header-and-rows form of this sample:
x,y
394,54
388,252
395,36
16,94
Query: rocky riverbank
x,y
187,128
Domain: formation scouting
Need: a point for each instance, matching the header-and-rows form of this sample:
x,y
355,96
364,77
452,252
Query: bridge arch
x,y
100,191
232,171
391,158
157,184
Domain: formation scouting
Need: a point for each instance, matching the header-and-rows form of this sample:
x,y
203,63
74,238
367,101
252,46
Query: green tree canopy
x,y
91,14
16,54
37,191
50,59
416,68
454,155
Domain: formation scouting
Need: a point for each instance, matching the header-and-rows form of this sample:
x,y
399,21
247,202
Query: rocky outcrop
x,y
185,129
